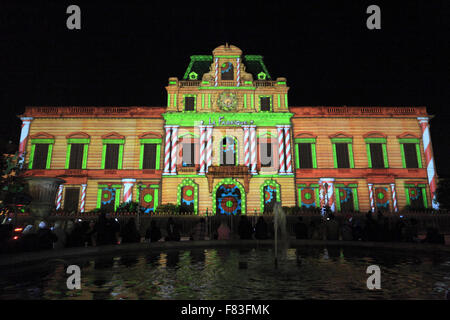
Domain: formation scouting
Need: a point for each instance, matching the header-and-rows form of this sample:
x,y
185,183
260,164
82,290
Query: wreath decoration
x,y
227,101
193,76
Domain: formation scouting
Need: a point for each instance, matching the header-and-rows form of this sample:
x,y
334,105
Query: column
x,y
202,149
24,134
209,144
372,200
238,72
174,153
59,197
128,189
253,149
287,144
167,150
281,163
246,146
428,150
394,198
83,197
327,193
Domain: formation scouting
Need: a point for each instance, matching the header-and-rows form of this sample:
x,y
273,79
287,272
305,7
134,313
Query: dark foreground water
x,y
303,273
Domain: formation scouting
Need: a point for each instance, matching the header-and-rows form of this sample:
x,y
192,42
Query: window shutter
x,y
149,161
305,155
112,156
410,155
40,156
343,160
376,152
76,156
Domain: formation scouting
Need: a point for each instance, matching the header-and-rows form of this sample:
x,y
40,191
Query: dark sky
x,y
127,50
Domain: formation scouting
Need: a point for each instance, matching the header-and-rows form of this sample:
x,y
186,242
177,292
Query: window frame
x,y
85,142
118,188
50,142
120,142
156,194
354,187
316,189
236,154
158,143
184,102
383,142
415,141
423,189
349,142
270,103
312,141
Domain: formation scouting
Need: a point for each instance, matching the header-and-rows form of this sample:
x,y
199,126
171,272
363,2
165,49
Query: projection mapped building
x,y
228,143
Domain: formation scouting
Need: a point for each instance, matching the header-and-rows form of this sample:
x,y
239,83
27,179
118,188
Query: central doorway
x,y
228,200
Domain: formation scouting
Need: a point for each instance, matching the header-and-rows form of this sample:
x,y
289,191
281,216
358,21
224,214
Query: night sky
x,y
126,51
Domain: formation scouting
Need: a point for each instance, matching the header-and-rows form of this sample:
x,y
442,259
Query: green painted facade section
x,y
191,119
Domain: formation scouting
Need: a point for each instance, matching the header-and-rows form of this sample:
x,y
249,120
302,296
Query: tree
x,y
443,193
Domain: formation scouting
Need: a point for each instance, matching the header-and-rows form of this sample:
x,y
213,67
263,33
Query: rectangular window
x,y
188,154
305,155
265,103
40,156
71,198
342,155
266,154
76,156
149,156
376,154
410,152
112,156
189,103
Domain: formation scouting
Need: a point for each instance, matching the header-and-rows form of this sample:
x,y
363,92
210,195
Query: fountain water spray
x,y
279,223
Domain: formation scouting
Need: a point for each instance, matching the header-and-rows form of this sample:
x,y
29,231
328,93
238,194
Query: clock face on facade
x,y
227,101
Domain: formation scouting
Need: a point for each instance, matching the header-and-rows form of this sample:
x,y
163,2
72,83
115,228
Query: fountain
x,y
43,192
280,223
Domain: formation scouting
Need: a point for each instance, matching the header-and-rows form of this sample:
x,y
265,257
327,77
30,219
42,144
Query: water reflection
x,y
305,273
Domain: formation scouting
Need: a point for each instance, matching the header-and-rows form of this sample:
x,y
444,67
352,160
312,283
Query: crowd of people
x,y
108,231
380,228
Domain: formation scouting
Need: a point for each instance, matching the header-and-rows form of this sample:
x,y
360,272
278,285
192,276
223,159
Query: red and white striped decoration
x,y
287,144
216,75
246,146
372,200
238,75
83,197
394,197
173,169
167,150
253,149
209,147
329,193
428,150
59,197
26,122
128,189
202,149
281,163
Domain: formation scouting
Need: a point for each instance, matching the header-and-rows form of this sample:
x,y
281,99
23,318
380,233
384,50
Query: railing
x,y
264,83
94,111
189,83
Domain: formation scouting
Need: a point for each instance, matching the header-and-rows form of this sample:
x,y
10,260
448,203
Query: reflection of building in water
x,y
228,142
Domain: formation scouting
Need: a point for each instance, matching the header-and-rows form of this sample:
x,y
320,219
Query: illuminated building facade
x,y
228,143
